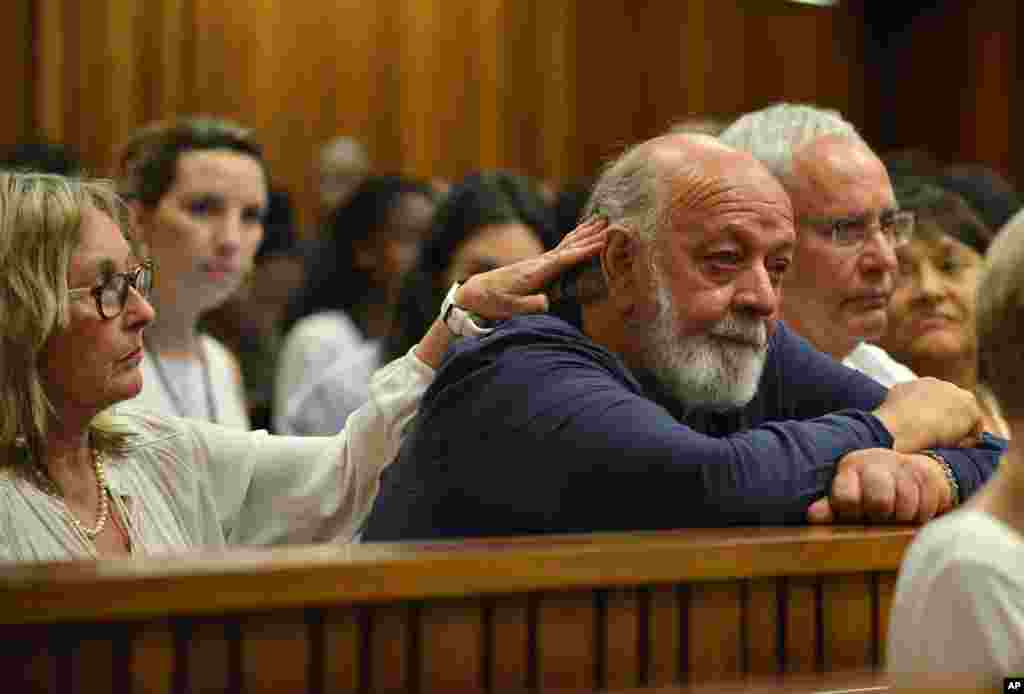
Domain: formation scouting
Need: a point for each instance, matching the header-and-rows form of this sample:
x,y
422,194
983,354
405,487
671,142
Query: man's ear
x,y
621,262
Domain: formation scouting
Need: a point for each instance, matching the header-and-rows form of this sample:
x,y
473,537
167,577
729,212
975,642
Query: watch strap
x,y
460,321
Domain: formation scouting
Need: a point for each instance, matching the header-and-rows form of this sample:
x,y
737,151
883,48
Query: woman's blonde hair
x,y
40,224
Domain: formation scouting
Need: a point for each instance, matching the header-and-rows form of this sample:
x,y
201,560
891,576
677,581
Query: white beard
x,y
705,371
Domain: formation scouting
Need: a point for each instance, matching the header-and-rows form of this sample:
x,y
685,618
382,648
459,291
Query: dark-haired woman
x,y
337,321
931,314
487,220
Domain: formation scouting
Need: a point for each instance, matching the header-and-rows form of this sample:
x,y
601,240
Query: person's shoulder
x,y
219,355
539,350
326,325
215,347
967,539
784,339
144,426
531,338
319,339
875,362
787,349
541,326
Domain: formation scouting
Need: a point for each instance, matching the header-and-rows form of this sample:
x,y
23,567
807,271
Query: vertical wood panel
x,y
490,16
169,66
209,654
510,644
47,54
972,47
886,591
621,661
75,62
275,652
566,641
801,648
125,36
556,55
28,659
344,641
761,620
664,628
153,658
391,634
715,631
451,646
848,613
93,659
420,23
994,44
16,56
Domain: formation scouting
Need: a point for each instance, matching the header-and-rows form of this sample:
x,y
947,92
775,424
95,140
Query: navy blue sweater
x,y
537,429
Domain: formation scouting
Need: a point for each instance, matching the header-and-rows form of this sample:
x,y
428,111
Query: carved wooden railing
x,y
583,612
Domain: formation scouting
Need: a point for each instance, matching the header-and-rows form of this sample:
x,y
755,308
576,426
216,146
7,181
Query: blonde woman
x,y
79,479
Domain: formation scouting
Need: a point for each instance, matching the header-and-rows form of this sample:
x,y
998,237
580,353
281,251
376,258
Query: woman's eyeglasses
x,y
112,295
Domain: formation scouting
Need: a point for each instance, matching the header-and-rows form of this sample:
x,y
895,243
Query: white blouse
x,y
958,610
188,483
323,374
218,372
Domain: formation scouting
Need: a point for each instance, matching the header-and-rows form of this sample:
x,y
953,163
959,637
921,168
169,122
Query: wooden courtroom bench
x,y
573,613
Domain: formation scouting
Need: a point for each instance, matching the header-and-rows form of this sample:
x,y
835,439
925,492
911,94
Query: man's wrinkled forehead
x,y
739,185
826,164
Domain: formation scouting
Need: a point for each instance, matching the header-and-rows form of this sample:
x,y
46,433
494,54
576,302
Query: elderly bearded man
x,y
665,394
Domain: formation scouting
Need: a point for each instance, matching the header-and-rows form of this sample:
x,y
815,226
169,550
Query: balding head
x,y
676,171
343,164
699,237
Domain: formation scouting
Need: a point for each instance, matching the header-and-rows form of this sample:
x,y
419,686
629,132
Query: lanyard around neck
x,y
173,395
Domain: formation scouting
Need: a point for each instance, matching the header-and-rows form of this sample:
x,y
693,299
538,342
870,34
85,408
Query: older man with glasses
x,y
848,228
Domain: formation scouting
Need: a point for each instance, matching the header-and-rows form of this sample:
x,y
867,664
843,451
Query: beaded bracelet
x,y
954,486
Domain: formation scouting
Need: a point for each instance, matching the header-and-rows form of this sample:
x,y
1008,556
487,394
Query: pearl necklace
x,y
103,511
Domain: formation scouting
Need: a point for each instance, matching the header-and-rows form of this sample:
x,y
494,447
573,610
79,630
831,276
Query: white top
x,y
187,483
875,362
323,374
959,603
226,390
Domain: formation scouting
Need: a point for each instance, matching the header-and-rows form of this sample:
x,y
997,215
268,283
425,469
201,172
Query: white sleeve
x,y
285,489
968,622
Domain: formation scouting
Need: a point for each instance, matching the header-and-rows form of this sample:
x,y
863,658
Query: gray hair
x,y
626,193
774,133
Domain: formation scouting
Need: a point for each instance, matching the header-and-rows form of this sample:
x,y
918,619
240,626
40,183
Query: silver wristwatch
x,y
459,320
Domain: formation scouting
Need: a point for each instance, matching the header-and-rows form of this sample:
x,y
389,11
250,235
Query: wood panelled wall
x,y
434,87
949,83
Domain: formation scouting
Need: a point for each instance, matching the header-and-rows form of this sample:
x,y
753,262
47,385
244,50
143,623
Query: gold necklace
x,y
103,510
